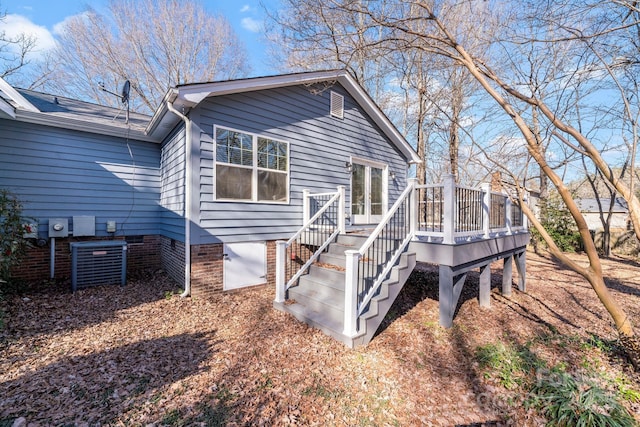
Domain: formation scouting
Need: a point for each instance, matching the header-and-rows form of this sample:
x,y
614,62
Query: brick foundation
x,y
172,258
36,267
207,264
206,269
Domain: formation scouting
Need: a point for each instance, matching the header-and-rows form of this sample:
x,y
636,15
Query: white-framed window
x,y
250,167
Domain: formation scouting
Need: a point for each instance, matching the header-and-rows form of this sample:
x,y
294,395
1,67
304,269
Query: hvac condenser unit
x,y
98,263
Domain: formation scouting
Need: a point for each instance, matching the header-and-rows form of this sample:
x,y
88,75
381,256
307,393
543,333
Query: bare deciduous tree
x,y
14,51
154,44
425,26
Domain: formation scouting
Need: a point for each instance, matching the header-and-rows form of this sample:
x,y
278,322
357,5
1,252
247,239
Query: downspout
x,y
187,200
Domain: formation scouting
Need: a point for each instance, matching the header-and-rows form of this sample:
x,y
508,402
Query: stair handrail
x,y
354,305
281,246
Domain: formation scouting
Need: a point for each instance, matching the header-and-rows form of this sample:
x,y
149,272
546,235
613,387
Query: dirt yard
x,y
141,355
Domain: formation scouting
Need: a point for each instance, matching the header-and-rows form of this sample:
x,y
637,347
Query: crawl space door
x,y
245,264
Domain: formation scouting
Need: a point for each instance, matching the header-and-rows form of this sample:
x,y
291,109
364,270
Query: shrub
x,y
12,243
558,222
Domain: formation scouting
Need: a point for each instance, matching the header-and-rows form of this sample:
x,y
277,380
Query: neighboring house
x,y
219,169
591,213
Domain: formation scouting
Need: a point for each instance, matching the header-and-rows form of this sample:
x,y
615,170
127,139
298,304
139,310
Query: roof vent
x,y
337,105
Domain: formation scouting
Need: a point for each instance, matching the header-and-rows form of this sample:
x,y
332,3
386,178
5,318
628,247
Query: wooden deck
x,y
459,229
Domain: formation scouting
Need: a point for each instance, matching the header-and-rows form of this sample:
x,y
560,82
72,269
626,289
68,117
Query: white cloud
x,y
15,25
59,28
251,24
245,8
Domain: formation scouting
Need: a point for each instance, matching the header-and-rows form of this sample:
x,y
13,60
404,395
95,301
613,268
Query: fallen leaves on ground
x,y
141,355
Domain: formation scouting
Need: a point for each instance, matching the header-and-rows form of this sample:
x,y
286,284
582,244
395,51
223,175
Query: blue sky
x,y
41,17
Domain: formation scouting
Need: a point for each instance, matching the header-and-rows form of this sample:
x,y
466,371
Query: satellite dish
x,y
126,87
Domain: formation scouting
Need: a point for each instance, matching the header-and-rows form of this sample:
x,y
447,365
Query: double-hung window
x,y
251,168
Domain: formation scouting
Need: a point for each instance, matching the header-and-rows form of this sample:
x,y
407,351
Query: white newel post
x,y
525,219
449,211
486,207
281,251
305,206
351,294
342,215
413,208
508,207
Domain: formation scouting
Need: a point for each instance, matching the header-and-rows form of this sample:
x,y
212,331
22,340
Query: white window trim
x,y
255,168
385,181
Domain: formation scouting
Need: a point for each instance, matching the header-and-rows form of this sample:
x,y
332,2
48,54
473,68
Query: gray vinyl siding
x,y
172,190
319,147
58,173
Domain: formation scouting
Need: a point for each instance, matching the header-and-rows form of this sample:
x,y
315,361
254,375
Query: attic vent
x,y
98,263
337,105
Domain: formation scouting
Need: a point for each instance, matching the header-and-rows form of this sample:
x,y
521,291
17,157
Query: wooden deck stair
x,y
318,299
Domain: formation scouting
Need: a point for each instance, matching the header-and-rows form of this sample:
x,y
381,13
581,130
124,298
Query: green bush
x,y
558,222
12,243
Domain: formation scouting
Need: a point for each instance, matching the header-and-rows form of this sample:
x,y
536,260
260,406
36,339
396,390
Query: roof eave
x,y
6,110
20,101
82,125
356,91
188,96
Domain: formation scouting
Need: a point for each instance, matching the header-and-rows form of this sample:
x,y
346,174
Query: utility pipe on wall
x,y
53,258
187,200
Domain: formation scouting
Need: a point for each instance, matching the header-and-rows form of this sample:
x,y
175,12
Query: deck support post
x,y
351,293
507,276
281,251
484,296
450,287
521,265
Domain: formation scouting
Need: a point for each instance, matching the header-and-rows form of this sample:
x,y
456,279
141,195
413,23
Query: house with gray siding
x,y
220,168
297,180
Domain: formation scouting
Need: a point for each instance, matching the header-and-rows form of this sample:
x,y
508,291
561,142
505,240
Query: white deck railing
x,y
444,213
369,266
295,256
451,213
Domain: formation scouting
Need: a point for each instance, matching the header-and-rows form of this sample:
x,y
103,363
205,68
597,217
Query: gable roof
x,y
188,96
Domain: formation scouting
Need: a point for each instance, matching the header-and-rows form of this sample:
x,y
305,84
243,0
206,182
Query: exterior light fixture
x,y
348,166
392,175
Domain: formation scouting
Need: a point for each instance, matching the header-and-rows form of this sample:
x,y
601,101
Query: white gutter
x,y
187,200
15,96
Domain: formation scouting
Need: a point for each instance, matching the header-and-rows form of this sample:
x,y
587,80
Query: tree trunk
x,y
593,273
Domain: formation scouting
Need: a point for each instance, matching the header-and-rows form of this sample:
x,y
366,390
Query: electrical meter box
x,y
84,226
58,227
